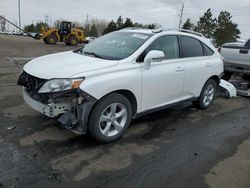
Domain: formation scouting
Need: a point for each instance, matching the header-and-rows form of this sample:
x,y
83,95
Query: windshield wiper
x,y
93,54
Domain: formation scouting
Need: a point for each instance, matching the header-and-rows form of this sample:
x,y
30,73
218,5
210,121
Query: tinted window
x,y
247,45
191,47
168,45
208,51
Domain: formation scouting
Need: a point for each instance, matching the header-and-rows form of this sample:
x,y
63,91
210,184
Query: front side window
x,y
167,44
191,47
116,45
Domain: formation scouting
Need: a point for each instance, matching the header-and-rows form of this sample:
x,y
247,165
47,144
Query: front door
x,y
163,81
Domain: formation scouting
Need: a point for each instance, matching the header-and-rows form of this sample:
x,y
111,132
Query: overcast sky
x,y
163,12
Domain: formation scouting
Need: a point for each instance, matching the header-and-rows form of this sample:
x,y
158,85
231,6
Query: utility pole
x,y
19,13
181,15
87,20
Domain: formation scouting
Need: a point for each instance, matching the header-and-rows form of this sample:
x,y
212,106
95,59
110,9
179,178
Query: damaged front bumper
x,y
51,110
73,113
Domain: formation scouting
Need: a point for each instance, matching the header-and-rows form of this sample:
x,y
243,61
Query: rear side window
x,y
208,51
191,47
247,45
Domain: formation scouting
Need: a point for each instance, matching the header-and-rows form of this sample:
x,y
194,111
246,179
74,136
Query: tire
x,y
227,76
45,41
103,125
73,40
51,39
208,94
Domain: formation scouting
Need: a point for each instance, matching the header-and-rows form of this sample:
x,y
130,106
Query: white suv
x,y
121,76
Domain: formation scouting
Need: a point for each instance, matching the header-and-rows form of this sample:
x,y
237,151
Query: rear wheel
x,y
208,94
73,40
51,39
110,118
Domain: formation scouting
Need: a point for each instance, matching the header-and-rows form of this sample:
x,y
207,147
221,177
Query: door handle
x,y
243,51
179,69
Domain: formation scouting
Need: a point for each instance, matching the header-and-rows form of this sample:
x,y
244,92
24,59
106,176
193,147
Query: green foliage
x,y
87,30
128,23
111,27
120,24
206,24
221,29
188,25
32,28
226,30
93,31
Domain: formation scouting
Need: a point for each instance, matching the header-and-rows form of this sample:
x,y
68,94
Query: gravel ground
x,y
178,147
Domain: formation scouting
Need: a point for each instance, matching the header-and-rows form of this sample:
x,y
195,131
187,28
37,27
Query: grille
x,y
31,83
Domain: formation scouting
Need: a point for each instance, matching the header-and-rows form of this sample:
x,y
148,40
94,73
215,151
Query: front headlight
x,y
57,85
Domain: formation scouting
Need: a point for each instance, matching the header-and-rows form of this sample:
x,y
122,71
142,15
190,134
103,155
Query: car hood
x,y
65,65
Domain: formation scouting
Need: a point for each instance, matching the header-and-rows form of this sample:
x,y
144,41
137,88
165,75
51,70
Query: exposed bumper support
x,y
51,110
77,121
73,115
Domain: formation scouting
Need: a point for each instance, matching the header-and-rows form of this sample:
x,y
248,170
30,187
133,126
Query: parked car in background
x,y
120,76
236,58
89,39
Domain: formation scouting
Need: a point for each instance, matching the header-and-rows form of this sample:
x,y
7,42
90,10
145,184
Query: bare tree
x,y
2,23
99,24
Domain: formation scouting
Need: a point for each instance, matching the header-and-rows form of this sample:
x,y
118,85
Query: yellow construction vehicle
x,y
63,33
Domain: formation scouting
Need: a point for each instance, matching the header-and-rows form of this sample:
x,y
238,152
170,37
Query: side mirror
x,y
153,56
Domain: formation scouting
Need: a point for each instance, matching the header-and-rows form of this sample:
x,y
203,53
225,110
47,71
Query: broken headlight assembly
x,y
57,85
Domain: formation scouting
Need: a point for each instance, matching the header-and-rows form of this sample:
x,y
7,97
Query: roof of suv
x,y
155,31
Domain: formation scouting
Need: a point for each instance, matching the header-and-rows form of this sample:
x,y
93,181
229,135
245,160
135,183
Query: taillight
x,y
219,49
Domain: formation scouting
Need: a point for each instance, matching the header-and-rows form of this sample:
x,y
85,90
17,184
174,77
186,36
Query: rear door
x,y
198,65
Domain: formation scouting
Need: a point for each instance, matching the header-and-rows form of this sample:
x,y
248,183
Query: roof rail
x,y
133,28
180,30
159,30
191,32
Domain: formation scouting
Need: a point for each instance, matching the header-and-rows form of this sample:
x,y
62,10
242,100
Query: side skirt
x,y
185,103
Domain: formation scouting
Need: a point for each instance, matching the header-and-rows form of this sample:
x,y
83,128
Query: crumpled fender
x,y
227,89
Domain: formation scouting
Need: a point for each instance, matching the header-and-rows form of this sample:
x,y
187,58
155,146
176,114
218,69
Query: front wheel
x,y
73,40
110,118
208,94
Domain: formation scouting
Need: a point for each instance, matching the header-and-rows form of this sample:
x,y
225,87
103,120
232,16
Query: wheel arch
x,y
130,96
216,78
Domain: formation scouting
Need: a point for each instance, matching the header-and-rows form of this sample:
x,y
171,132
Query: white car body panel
x,y
164,83
229,88
231,55
65,65
194,78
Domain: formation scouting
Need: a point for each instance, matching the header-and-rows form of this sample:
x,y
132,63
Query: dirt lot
x,y
178,147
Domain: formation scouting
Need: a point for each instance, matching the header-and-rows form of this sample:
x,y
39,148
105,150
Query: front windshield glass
x,y
116,45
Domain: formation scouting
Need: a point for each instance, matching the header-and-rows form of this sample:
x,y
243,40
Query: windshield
x,y
116,45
